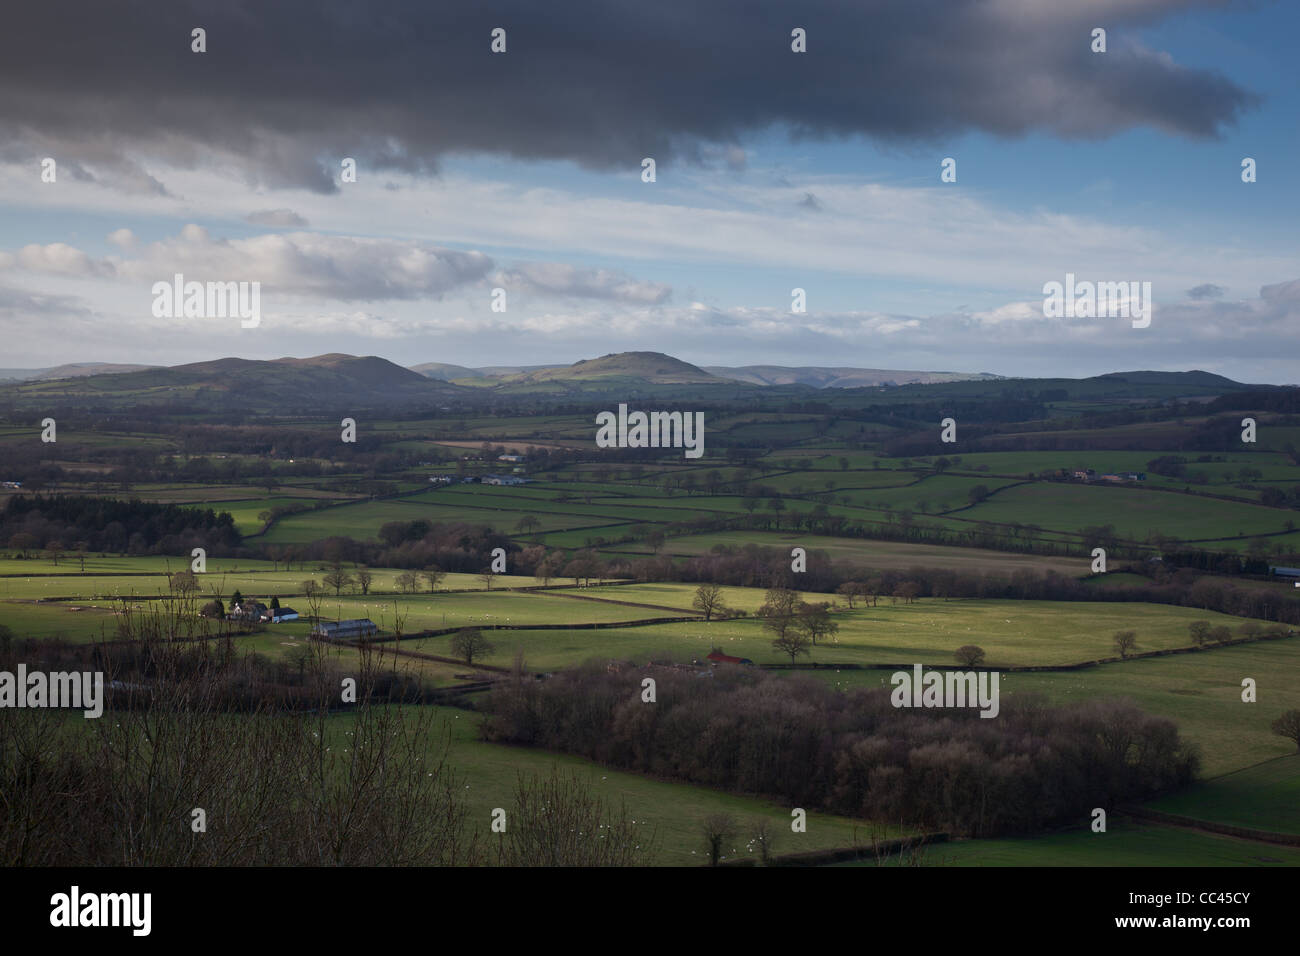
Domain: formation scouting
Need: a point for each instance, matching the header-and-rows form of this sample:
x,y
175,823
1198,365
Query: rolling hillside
x,y
825,377
646,367
333,381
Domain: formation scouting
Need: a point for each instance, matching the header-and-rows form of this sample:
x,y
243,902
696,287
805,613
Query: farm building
x,y
358,627
248,610
504,480
1280,572
514,458
278,614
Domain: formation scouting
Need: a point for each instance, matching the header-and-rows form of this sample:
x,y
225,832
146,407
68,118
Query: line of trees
x,y
86,523
797,740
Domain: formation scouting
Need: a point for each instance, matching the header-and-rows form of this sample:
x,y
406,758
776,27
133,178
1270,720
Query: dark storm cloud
x,y
1207,290
289,87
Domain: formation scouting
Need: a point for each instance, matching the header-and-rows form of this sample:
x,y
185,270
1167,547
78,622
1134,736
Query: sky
x,y
775,170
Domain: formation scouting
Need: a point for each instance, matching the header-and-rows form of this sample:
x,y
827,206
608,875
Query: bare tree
x,y
814,620
708,598
433,576
364,579
1125,642
908,591
762,837
315,595
778,610
969,654
470,643
792,643
337,579
717,829
1288,725
549,567
558,821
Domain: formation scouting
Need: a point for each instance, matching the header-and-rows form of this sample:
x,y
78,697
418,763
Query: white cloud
x,y
283,218
57,258
122,238
559,279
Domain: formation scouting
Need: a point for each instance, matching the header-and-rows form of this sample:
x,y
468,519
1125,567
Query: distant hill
x,y
451,373
653,368
1195,377
657,368
838,377
348,382
72,370
323,381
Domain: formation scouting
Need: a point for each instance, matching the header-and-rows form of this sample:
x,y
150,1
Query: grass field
x,y
1263,797
681,596
1136,513
246,512
578,505
260,583
1013,633
69,565
85,618
362,521
931,494
874,554
671,811
1201,692
1124,843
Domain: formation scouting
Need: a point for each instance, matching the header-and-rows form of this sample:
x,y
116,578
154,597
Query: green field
x,y
1136,513
362,521
1201,692
1124,843
936,493
681,596
671,811
883,555
70,565
246,513
259,583
86,618
1263,797
1013,633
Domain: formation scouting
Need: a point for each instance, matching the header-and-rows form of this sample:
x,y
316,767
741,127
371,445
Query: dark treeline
x,y
83,523
454,546
1283,400
797,740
